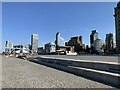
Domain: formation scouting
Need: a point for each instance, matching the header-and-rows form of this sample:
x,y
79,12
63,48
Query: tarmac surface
x,y
18,73
88,57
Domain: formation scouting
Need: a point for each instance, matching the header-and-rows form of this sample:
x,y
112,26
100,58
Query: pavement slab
x,y
18,73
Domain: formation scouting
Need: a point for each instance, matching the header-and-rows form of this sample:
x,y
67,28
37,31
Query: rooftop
x,y
118,5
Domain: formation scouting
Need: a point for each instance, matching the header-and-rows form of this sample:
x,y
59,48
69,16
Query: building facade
x,y
34,42
65,50
41,50
8,44
27,47
97,44
109,42
76,42
93,37
117,26
57,41
8,47
50,48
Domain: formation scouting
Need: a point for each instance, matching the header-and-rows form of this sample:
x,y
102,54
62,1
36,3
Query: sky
x,y
0,27
21,19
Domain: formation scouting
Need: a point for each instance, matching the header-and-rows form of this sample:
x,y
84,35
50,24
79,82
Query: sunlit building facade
x,y
34,42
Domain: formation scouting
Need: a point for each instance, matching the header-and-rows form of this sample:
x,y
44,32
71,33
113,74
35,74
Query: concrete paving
x,y
88,57
18,73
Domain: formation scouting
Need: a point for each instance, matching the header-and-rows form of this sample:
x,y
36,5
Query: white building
x,y
50,48
20,49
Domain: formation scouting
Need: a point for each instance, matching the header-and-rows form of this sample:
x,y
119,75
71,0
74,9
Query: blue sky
x,y
20,20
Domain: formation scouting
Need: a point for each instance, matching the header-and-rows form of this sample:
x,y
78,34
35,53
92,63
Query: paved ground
x,y
88,57
17,73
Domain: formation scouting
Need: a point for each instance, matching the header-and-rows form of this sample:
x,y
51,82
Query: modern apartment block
x,y
117,27
34,42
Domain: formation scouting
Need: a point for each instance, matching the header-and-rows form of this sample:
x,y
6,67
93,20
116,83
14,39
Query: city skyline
x,y
70,19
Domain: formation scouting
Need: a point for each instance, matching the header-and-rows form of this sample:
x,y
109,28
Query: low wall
x,y
86,69
98,65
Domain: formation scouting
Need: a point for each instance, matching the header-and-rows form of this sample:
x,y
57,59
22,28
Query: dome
x,y
118,5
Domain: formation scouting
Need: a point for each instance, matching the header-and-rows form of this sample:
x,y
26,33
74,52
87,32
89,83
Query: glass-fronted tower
x,y
117,27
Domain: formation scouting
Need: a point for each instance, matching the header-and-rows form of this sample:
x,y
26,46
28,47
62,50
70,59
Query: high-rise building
x,y
34,42
117,26
109,42
114,41
93,37
57,42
